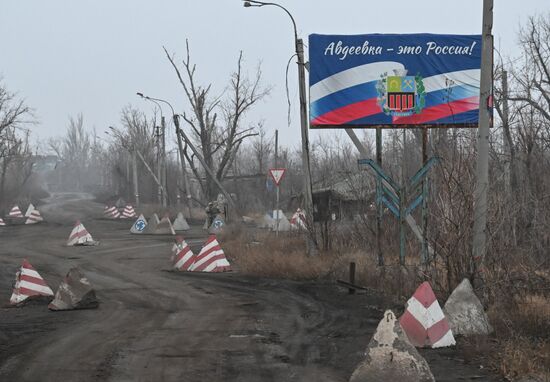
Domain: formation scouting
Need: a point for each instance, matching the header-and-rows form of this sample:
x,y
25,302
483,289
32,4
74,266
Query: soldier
x,y
212,211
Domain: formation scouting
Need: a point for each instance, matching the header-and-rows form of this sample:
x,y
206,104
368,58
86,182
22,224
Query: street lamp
x,y
180,148
161,152
308,197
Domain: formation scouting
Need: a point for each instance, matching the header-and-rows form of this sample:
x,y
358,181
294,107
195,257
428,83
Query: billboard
x,y
389,80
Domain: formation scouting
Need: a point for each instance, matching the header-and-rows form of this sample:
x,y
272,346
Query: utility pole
x,y
135,171
278,185
178,197
159,164
479,245
183,169
311,241
128,181
506,132
308,193
164,179
179,134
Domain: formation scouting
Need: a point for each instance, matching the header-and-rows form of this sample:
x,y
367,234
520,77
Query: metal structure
x,y
402,200
304,123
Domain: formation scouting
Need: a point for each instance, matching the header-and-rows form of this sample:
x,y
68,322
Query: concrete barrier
x,y
75,292
391,357
465,312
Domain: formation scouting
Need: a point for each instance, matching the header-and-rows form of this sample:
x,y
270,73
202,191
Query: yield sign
x,y
277,174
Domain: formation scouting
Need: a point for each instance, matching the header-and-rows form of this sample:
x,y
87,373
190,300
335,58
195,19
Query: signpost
x,y
277,175
402,201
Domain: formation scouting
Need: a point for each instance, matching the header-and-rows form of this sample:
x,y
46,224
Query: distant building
x,y
343,197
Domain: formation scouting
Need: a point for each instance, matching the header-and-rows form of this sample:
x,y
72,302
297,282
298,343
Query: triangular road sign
x,y
277,174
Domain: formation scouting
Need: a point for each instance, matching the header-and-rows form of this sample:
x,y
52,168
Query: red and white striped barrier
x,y
298,220
79,236
424,321
15,212
34,217
128,212
111,212
184,258
28,283
211,258
2,223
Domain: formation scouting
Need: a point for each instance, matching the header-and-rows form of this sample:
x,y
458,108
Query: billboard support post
x,y
379,209
479,243
425,189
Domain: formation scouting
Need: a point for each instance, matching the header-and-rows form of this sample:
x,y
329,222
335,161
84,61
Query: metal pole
x,y
402,201
178,196
163,162
128,181
379,210
505,124
136,183
276,164
308,196
479,244
277,209
311,241
159,171
278,186
424,255
183,169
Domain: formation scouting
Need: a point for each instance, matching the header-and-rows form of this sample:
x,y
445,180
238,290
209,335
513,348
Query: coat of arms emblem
x,y
400,95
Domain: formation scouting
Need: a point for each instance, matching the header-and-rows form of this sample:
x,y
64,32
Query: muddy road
x,y
154,325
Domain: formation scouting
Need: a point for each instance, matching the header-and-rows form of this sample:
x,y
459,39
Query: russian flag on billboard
x,y
391,80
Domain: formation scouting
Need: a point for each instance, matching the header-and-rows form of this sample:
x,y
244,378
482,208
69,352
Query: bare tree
x,y
217,121
13,112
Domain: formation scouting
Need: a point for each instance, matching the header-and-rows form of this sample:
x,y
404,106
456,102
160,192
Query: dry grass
x,y
520,345
522,331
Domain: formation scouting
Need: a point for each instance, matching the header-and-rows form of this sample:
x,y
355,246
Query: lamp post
x,y
308,197
161,155
180,148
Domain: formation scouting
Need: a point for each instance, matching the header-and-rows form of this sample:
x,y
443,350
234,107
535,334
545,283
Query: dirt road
x,y
154,325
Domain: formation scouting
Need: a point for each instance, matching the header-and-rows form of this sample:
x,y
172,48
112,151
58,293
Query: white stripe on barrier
x,y
35,287
426,317
30,272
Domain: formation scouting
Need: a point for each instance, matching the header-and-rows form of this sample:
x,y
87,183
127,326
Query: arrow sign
x,y
277,174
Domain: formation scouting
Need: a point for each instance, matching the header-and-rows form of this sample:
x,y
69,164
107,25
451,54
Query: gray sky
x,y
67,56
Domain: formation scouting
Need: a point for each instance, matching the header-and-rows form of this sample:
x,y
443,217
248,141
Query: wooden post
x,y
352,277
